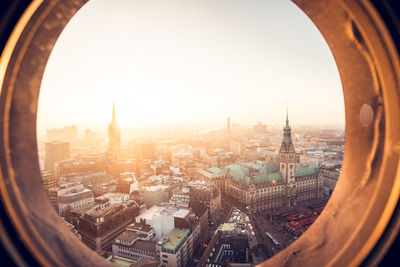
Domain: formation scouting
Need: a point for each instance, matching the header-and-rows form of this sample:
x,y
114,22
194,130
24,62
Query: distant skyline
x,y
189,62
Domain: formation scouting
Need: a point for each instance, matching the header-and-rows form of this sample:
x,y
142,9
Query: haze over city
x,y
193,65
190,133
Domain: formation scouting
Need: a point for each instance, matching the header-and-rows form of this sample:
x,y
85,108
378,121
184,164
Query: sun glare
x,y
159,70
176,118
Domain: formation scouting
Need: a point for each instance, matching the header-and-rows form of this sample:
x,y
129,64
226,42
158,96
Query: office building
x,y
102,224
176,248
55,151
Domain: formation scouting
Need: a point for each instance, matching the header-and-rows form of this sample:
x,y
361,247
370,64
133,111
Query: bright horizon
x,y
189,63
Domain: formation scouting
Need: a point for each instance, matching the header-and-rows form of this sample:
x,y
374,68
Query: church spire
x,y
113,114
114,135
287,116
287,143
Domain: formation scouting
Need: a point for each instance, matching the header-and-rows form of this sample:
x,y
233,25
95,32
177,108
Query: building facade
x,y
75,199
209,195
134,245
48,180
100,226
55,151
176,248
329,179
277,184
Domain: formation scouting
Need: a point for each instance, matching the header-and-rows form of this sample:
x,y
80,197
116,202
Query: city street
x,y
275,227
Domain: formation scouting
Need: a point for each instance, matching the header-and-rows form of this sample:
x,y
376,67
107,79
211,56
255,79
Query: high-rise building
x,y
114,135
55,151
228,127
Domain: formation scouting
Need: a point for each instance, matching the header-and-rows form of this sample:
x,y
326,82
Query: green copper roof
x,y
238,168
253,165
207,174
268,173
267,178
239,174
270,167
216,170
307,171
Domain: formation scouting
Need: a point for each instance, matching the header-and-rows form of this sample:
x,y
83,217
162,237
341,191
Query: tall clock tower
x,y
287,155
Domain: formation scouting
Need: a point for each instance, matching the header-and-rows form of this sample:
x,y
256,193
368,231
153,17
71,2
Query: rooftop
x,y
227,227
332,174
307,171
172,240
267,177
207,174
111,195
239,174
150,213
145,245
163,210
253,165
104,211
122,262
140,227
146,262
216,170
154,188
181,213
127,236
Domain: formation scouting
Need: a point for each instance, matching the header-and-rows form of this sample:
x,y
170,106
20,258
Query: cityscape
x,y
195,197
164,138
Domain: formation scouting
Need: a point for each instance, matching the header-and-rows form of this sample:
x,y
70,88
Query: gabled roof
x,y
238,169
239,174
270,167
207,174
269,173
216,170
253,165
267,178
307,171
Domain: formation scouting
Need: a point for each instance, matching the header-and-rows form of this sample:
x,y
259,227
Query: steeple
x,y
114,135
287,154
287,143
114,119
287,116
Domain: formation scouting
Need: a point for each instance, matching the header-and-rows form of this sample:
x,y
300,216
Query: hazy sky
x,y
189,61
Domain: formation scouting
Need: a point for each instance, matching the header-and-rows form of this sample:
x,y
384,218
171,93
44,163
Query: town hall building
x,y
283,183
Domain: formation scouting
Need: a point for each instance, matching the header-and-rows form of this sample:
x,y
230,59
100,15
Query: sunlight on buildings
x,y
164,125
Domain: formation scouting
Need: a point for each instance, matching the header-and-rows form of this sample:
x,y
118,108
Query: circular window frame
x,y
360,220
